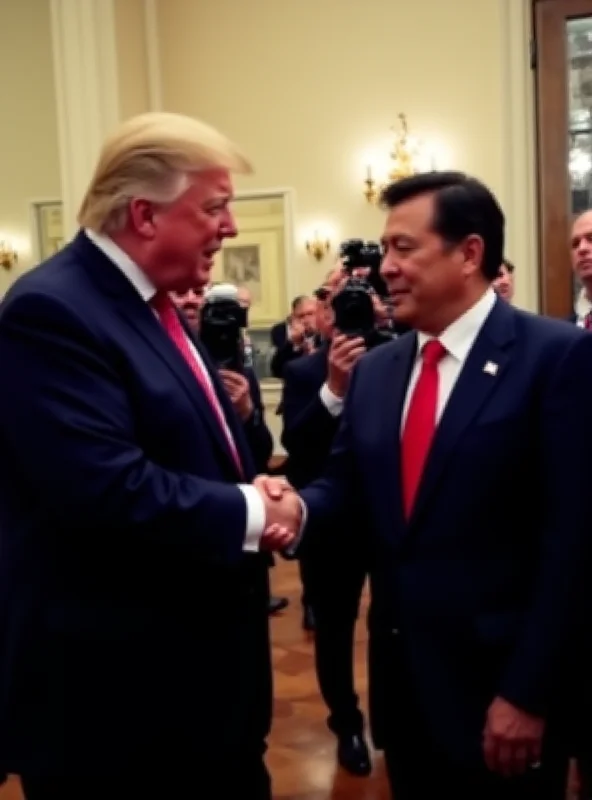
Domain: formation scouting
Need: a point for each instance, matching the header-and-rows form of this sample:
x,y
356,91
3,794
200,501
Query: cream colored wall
x,y
132,60
309,88
28,136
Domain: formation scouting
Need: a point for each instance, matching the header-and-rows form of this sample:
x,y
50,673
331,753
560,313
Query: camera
x,y
353,306
221,330
356,254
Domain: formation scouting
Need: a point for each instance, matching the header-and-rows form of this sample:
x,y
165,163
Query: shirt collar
x,y
138,279
459,337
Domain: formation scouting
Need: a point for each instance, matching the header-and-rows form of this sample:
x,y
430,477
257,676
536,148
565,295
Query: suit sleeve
x,y
80,453
282,356
277,338
559,614
258,435
328,498
308,425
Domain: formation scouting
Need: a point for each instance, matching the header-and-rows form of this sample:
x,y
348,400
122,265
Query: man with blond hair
x,y
133,590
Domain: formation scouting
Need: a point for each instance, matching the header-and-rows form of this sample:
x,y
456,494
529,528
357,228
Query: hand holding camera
x,y
239,392
343,355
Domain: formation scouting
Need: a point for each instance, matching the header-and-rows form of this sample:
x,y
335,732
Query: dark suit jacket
x,y
258,435
308,435
279,335
309,428
481,590
133,628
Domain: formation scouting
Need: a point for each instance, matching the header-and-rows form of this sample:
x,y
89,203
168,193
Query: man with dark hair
x,y
475,614
504,283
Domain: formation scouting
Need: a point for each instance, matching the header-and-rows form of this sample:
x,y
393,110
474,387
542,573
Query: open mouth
x,y
210,253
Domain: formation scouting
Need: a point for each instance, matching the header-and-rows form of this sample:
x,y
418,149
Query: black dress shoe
x,y
353,755
277,604
308,619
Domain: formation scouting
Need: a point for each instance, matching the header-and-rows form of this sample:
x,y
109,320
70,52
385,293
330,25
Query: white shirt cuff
x,y
332,403
255,518
290,551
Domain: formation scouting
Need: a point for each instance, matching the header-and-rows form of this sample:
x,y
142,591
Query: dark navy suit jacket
x,y
133,627
481,589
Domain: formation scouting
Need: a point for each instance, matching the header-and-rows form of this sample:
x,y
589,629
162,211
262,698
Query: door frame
x,y
554,201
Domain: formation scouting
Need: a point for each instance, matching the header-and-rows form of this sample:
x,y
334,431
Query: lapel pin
x,y
490,368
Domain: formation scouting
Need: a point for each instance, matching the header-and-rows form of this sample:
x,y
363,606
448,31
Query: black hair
x,y
463,207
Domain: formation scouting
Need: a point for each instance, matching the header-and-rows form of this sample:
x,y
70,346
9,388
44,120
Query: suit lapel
x,y
392,400
481,375
136,312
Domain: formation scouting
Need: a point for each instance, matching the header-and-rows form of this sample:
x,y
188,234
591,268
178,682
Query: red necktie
x,y
170,321
420,424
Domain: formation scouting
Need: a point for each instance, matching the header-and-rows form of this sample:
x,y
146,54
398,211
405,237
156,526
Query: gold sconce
x,y
406,158
318,247
8,255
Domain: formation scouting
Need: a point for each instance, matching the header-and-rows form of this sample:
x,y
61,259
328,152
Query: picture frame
x,y
261,254
48,227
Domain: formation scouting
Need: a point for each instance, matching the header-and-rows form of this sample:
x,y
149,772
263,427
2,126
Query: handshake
x,y
283,512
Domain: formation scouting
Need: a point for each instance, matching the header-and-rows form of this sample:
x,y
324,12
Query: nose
x,y
228,229
388,266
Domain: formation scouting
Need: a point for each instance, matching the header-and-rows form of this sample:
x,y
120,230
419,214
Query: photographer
x,y
300,339
223,335
348,311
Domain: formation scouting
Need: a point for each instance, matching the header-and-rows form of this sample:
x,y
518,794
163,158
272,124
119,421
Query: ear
x,y
473,250
141,215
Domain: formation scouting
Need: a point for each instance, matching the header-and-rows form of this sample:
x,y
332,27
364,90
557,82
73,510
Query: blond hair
x,y
151,156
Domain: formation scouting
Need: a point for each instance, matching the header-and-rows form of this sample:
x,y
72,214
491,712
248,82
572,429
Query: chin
x,y
403,311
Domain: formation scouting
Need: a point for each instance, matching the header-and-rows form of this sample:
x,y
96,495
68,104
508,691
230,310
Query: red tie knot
x,y
432,352
161,302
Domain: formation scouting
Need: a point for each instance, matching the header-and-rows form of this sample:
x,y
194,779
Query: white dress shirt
x,y
458,340
146,290
582,307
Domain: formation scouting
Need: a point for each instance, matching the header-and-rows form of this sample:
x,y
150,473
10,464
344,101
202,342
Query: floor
x,y
302,750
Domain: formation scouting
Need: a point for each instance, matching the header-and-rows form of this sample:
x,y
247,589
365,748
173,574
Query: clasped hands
x,y
283,512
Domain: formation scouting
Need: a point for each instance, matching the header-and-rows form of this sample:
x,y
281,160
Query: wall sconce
x,y
8,255
317,247
407,158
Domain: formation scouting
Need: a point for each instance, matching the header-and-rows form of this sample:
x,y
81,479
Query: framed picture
x,y
48,226
260,256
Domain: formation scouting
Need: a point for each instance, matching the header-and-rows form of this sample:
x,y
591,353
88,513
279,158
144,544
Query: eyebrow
x,y
221,198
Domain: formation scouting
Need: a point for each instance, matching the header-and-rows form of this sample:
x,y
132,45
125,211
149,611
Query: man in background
x,y
333,567
504,283
300,339
128,498
581,261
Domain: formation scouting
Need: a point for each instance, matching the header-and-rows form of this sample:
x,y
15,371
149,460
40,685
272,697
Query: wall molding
x,y
87,91
518,145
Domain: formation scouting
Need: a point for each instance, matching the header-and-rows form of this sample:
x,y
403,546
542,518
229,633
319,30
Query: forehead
x,y
411,217
210,184
305,307
582,226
